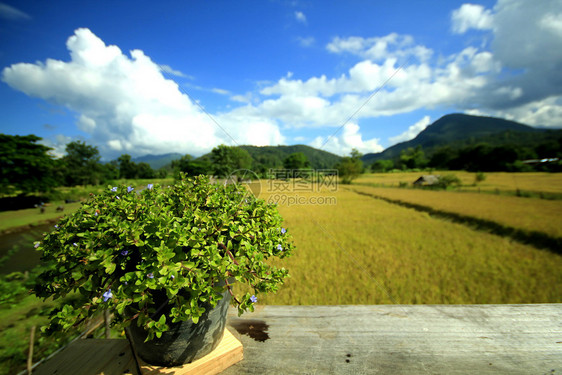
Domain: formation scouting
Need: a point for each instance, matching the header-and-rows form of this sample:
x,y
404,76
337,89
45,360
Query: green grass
x,y
32,216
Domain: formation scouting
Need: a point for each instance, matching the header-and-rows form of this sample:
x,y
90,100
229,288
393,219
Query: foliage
x,y
25,165
413,158
191,167
272,157
228,159
128,251
81,165
382,166
448,180
479,177
296,161
350,167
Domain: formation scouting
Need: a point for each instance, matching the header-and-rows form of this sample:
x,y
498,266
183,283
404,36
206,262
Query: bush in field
x,y
479,177
447,180
350,167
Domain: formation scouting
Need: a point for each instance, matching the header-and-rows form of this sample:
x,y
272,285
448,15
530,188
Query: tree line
x,y
27,166
483,157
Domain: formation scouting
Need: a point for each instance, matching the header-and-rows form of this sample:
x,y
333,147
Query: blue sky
x,y
156,77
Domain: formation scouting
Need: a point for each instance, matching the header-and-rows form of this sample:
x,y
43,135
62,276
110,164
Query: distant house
x,y
427,180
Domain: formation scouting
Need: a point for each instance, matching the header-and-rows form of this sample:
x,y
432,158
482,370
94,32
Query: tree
x,y
190,166
350,167
25,166
82,165
144,170
413,158
382,166
127,168
227,159
296,161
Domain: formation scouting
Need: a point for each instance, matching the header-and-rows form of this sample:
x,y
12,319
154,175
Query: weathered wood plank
x,y
225,355
443,339
90,357
114,357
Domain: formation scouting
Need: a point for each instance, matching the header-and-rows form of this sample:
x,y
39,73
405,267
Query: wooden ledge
x,y
114,357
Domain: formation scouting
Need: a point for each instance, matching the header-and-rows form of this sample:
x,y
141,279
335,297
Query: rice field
x,y
362,250
529,214
550,183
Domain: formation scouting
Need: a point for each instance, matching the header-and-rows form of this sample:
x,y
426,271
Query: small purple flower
x,y
107,296
117,197
124,252
279,247
173,277
254,299
56,226
283,230
129,189
150,275
114,189
36,245
96,213
74,244
149,186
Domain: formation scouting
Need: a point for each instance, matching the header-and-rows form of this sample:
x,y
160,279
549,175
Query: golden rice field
x,y
362,250
503,181
529,214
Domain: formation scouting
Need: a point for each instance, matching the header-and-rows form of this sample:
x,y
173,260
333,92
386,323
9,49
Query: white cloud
x,y
380,48
349,138
508,76
168,69
306,41
552,22
471,16
58,145
300,17
10,13
412,131
220,91
127,106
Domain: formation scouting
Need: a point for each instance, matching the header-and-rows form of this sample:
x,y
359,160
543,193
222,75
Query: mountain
x,y
266,157
273,156
460,130
157,161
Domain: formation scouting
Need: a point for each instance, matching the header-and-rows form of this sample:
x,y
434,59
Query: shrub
x,y
123,250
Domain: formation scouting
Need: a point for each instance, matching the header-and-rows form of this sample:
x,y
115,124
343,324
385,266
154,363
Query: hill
x,y
460,130
157,161
273,156
266,157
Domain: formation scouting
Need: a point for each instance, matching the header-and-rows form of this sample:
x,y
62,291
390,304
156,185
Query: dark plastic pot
x,y
185,342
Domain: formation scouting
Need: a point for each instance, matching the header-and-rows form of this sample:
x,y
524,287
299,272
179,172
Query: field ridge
x,y
535,238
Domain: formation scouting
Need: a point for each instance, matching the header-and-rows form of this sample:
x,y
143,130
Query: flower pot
x,y
185,342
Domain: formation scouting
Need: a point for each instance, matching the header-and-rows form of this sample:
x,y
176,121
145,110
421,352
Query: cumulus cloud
x,y
349,138
381,48
10,13
412,131
471,16
126,104
516,76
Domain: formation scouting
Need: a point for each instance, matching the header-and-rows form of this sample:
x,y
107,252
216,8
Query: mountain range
x,y
460,130
453,130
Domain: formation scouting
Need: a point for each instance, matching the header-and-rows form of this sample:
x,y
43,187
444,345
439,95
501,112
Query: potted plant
x,y
163,260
